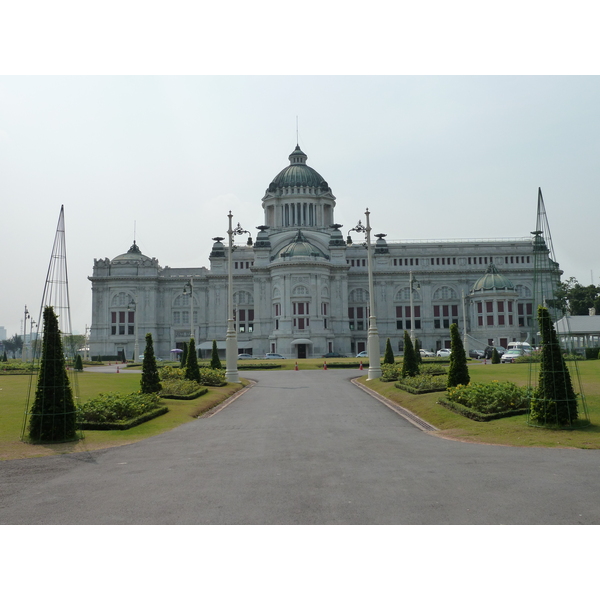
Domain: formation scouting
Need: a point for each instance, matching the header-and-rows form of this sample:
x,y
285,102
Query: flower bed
x,y
181,389
487,401
119,411
423,384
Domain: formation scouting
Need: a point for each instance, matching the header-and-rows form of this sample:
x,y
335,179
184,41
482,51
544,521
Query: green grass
x,y
512,431
13,398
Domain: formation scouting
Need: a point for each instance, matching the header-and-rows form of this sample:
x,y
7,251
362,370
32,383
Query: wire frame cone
x,y
567,408
42,381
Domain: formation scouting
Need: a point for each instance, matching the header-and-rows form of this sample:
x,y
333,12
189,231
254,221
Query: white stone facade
x,y
301,288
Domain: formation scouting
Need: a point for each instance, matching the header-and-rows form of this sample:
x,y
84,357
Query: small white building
x,y
301,288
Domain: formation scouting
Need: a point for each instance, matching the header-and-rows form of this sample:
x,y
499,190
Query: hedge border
x,y
477,416
122,425
191,396
412,390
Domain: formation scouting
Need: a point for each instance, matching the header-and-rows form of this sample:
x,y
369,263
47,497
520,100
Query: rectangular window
x,y
529,308
407,312
242,314
360,325
510,306
436,324
490,320
445,310
480,321
500,319
351,312
276,323
130,329
121,329
480,307
185,317
113,330
500,306
446,323
398,312
398,324
131,317
455,310
436,311
113,317
121,317
359,312
510,319
417,322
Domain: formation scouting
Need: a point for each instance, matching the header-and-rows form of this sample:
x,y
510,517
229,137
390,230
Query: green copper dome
x,y
298,174
301,247
492,280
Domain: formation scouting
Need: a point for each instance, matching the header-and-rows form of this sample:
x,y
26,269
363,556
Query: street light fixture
x,y
231,343
136,347
373,349
414,286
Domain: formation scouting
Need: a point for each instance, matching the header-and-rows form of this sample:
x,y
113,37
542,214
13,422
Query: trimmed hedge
x,y
122,425
191,396
413,390
477,416
349,365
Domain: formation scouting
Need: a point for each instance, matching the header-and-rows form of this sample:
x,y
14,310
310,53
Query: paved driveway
x,y
301,448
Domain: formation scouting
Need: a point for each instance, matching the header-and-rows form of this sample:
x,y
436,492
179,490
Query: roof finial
x,y
297,142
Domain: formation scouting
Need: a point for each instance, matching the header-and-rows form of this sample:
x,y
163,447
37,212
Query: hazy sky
x,y
431,157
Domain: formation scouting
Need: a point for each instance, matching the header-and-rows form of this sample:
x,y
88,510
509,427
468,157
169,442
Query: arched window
x,y
300,290
358,309
445,293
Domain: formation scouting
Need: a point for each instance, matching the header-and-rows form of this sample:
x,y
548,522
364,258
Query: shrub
x,y
410,367
432,369
458,373
112,407
150,380
390,372
422,384
168,373
495,357
489,398
192,370
214,377
215,361
53,415
591,353
179,387
78,363
388,358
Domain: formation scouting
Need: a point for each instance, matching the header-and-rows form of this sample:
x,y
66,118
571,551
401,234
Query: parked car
x,y
426,353
245,356
333,355
490,349
444,352
476,353
274,355
510,356
362,354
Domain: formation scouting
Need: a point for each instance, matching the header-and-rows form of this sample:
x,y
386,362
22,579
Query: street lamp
x,y
231,349
136,347
373,349
24,353
188,290
414,286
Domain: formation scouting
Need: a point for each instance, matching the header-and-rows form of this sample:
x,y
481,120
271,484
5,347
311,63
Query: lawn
x,y
512,431
13,395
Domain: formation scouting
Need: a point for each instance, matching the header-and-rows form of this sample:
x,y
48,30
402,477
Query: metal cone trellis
x,y
557,398
56,296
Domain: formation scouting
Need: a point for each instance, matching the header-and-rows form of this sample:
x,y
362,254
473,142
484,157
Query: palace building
x,y
301,289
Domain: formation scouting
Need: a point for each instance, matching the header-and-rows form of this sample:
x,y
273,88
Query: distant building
x,y
301,288
3,334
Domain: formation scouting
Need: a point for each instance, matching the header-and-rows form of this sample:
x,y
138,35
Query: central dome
x,y
298,174
492,280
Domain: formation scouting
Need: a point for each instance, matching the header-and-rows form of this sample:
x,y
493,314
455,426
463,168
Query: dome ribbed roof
x,y
298,174
493,280
134,253
300,246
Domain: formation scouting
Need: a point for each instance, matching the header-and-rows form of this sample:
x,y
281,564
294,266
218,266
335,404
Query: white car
x,y
426,353
444,352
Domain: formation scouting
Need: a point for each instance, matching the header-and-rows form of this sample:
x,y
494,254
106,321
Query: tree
x,y
418,351
150,377
73,343
458,372
554,401
14,344
192,370
53,416
388,358
78,363
215,361
4,357
184,355
410,367
495,357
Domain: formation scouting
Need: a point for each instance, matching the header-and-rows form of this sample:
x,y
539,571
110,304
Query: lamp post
x,y
136,347
414,286
373,349
231,343
188,290
24,350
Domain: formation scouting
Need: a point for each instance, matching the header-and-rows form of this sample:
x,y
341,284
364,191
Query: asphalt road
x,y
304,447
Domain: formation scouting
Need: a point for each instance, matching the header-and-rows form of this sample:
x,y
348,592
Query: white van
x,y
524,346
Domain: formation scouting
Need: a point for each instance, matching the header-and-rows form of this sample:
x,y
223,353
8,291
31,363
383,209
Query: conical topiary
x,y
192,370
215,361
410,367
388,357
78,363
458,372
53,416
554,401
150,377
418,351
495,357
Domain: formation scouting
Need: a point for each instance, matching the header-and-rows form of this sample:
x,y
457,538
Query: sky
x,y
165,158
